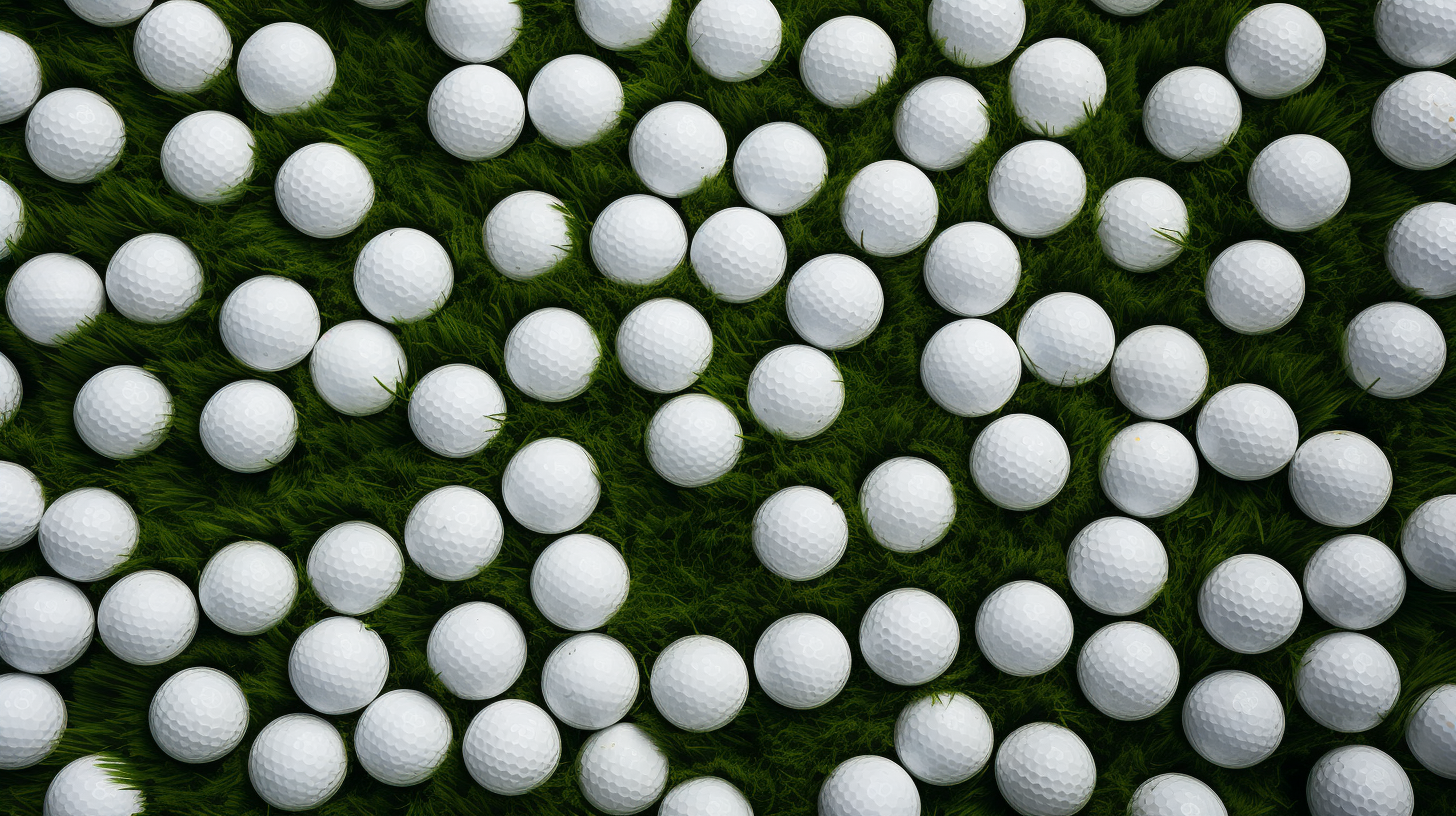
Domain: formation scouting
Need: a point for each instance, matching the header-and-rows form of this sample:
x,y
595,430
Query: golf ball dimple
x,y
402,275
1347,682
1414,120
1020,462
1024,628
551,354
356,367
1359,779
46,625
86,786
1420,249
800,533
970,367
269,323
976,33
1233,719
1117,566
181,46
1159,372
355,567
579,582
109,14
801,661
795,392
1174,794
834,302
153,279
477,649
1428,733
52,296
1340,478
199,715
1128,671
147,618
526,235
88,533
1148,470
476,112
699,683
456,410
739,254
943,739
705,795
589,681
1275,51
638,240
909,637
1247,432
207,157
122,412
663,345
1141,224
1299,182
868,785
285,68
511,747
574,100
779,168
889,208
473,30
1037,188
1066,339
693,440
676,148
402,737
1055,85
908,504
337,666
453,533
32,720
247,587
1192,114
74,135
1354,582
1428,542
248,426
1254,287
323,190
845,61
621,25
297,762
1417,33
20,87
972,269
22,503
1250,604
550,485
1043,769
621,771
941,122
1394,350
734,40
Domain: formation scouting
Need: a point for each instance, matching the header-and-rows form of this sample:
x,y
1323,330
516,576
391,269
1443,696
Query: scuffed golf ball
x,y
1347,682
337,666
153,279
511,747
1037,188
1420,249
1192,114
198,715
621,25
1340,478
1020,462
526,235
801,661
795,392
800,533
53,296
1299,182
354,567
676,148
1233,719
889,208
1066,339
74,135
739,254
1358,779
323,190
46,625
123,412
693,440
146,618
943,739
181,46
1128,671
941,122
477,649
834,302
574,100
579,582
972,269
1043,769
1354,582
453,533
456,410
1250,604
1117,566
551,354
476,112
845,61
356,367
1148,470
1159,372
1024,628
621,771
1417,33
589,681
1275,51
550,485
1055,85
638,240
970,367
909,637
32,720
87,786
247,587
297,762
87,534
402,275
1413,120
699,683
285,68
976,33
248,426
1247,432
663,345
868,785
1141,224
734,40
22,503
1428,732
473,30
207,157
1428,542
269,323
779,167
402,737
908,504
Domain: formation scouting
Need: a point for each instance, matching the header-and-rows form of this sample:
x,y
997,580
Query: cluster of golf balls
x,y
1116,566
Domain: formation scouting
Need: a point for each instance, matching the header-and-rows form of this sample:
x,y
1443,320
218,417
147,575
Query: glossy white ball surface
x,y
550,485
1148,470
356,367
1117,566
477,649
74,135
337,666
579,582
1394,350
1055,85
705,795
88,533
940,122
51,297
247,587
676,148
453,533
845,61
1417,33
889,208
402,737
734,40
1428,542
1412,121
909,636
621,25
1299,182
638,240
972,269
1019,462
1275,51
800,533
739,254
621,771
109,13
1141,224
181,46
1128,671
1024,628
1347,682
526,235
779,167
868,785
248,426
663,345
208,157
122,412
323,190
473,30
355,567
976,33
21,85
1358,779
699,683
1037,188
834,302
1428,733
46,624
22,503
87,787
1250,604
285,68
943,739
511,747
574,100
32,720
801,661
456,410
147,618
1192,114
693,440
589,681
1174,794
269,323
1354,582
970,367
153,279
1254,287
1066,339
1233,719
403,275
476,112
198,715
1043,769
1340,478
795,392
908,504
1159,372
1420,249
297,762
1247,432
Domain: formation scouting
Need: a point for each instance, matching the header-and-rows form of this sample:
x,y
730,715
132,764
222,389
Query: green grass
x,y
693,569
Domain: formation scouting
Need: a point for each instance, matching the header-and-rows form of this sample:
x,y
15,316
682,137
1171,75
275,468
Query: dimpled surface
x,y
453,533
456,410
146,618
1431,731
1020,462
74,135
354,567
285,68
1192,114
46,624
511,747
834,301
1117,565
619,25
473,30
477,649
1358,780
1275,51
1037,188
943,739
526,234
1254,287
739,254
247,588
1420,249
402,737
1043,769
297,762
579,582
574,100
1347,682
1148,470
1250,604
52,296
356,367
1247,432
1299,182
1127,8
795,392
1428,542
402,275
208,157
977,33
693,440
676,148
1141,223
1175,794
269,323
12,208
699,683
11,394
1055,85
153,278
1414,120
845,60
109,13
869,785
664,344
20,86
86,787
940,122
972,269
801,661
1024,628
621,771
1233,719
323,190
638,239
248,426
122,412
908,504
779,167
889,208
87,533
337,666
181,46
704,796
734,40
550,485
1354,582
1128,671
1066,339
589,681
1417,33
800,533
22,502
909,637
198,715
476,112
1394,350
1340,478
1159,372
970,367
32,720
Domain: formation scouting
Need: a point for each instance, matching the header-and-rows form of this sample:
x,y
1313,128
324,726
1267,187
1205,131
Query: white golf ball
x,y
1174,794
1233,719
74,135
477,649
456,410
1037,188
1299,182
1159,372
1128,671
739,254
621,771
1141,224
20,87
1428,542
1347,682
972,269
1420,249
1043,769
699,683
574,100
297,762
1394,350
511,747
476,112
356,367
693,440
285,68
1148,470
941,122
943,739
1117,566
795,392
663,345
337,666
869,785
1055,85
676,148
122,412
779,168
86,786
551,354
11,394
1275,51
86,534
845,61
1358,779
248,426
12,208
269,323
703,795
801,661
1254,287
579,582
1127,8
247,587
207,157
32,720
909,637
198,715
970,367
977,33
1340,478
402,737
734,40
181,46
53,296
153,278
889,208
323,190
473,30
1250,604
402,275
46,625
1247,432
109,13
1024,628
908,504
22,503
638,240
1428,733
1020,462
1192,114
800,533
355,567
453,533
1417,33
1412,121
834,301
621,25
146,618
1066,339
526,234
550,485
589,681
1354,582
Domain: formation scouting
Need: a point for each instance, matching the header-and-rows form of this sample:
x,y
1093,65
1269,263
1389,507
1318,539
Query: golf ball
x,y
663,345
1043,769
1141,224
941,122
1412,120
1247,432
198,715
1019,462
526,235
1420,249
943,739
1024,628
32,720
589,681
74,135
1340,478
1394,350
1066,339
1254,287
456,410
1148,470
908,504
1233,719
1354,582
704,795
87,534
337,666
845,61
1428,732
1275,51
108,13
889,208
693,440
402,737
1417,33
356,367
574,100
1117,566
122,412
1299,182
551,354
52,296
323,190
1127,8
1128,671
779,167
621,771
800,533
269,323
970,367
146,618
153,278
181,46
1358,779
20,86
795,392
1174,794
579,582
734,40
207,157
477,649
297,762
621,25
86,786
868,785
12,209
801,661
511,747
550,485
402,275
1037,188
247,587
22,502
1055,85
248,426
476,112
909,637
11,393
1428,542
699,683
46,625
1347,682
1159,372
976,33
285,68
739,254
1192,114
453,533
355,567
676,148
1250,604
834,302
638,240
473,30
972,269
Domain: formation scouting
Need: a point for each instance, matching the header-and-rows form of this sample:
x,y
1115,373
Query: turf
x,y
692,565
